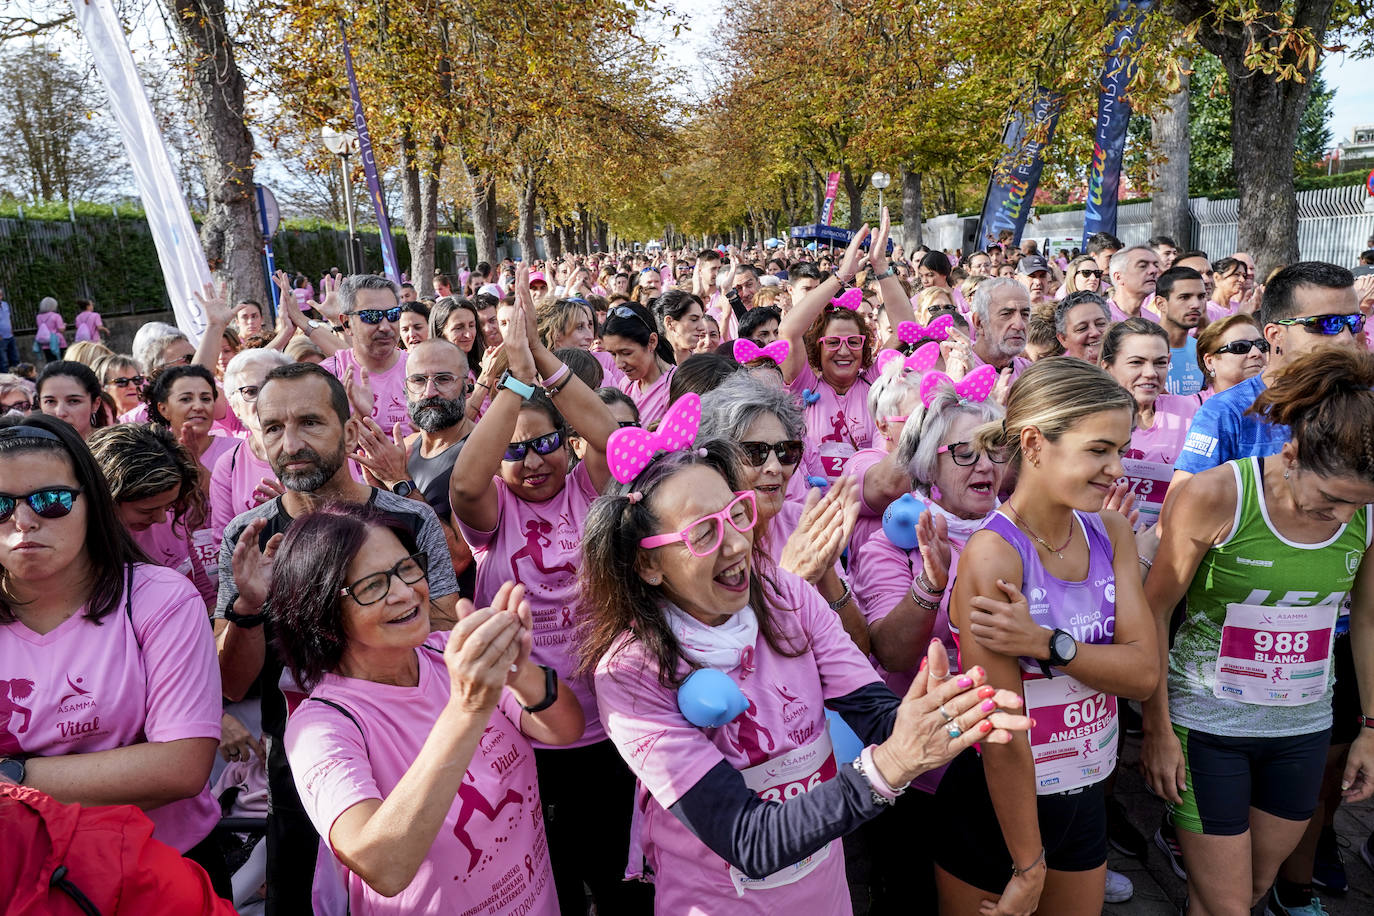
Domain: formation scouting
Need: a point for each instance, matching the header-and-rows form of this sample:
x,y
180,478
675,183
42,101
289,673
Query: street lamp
x,y
344,143
880,181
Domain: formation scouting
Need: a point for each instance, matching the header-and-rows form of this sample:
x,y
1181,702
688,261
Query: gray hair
x,y
919,442
151,340
257,357
728,411
47,304
1072,301
10,383
1123,257
989,288
348,289
890,389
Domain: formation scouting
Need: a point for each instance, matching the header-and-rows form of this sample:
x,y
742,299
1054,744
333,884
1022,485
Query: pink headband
x,y
747,351
630,450
849,299
912,331
920,361
976,386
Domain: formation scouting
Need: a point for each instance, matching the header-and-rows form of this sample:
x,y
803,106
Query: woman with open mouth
x,y
743,811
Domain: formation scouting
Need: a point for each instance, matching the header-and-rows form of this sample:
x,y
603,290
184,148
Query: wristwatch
x,y
14,769
247,621
403,488
315,324
523,389
1063,648
550,691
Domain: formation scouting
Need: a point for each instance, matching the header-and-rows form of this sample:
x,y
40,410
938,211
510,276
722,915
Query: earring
x,y
654,580
1286,471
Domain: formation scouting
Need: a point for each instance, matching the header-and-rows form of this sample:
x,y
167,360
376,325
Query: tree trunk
x,y
569,238
525,207
229,234
1169,212
818,193
420,200
911,210
854,190
482,188
553,239
602,230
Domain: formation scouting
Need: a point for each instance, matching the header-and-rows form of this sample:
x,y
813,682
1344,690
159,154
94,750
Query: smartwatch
x,y
14,769
523,389
1063,648
403,488
550,691
247,621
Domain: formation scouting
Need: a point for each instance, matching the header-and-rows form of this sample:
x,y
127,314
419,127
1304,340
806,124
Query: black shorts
x,y
1073,828
1345,698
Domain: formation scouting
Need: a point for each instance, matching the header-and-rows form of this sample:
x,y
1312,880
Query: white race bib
x,y
1275,656
1073,742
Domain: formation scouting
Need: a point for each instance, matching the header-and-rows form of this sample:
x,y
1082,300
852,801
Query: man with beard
x,y
370,307
1181,299
307,433
1000,317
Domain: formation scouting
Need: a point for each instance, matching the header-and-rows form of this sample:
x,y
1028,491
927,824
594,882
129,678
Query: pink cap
x,y
537,277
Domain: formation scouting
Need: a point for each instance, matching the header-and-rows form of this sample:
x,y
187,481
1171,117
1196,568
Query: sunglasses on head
x,y
546,444
834,341
124,382
49,502
1327,325
1242,347
377,316
789,451
624,311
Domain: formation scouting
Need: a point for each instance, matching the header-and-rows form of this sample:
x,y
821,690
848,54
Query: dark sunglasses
x,y
1327,325
546,444
18,406
123,382
49,502
624,423
624,311
1083,272
377,316
789,451
1242,347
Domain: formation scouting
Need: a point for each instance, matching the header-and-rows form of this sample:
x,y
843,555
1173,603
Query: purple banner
x,y
374,185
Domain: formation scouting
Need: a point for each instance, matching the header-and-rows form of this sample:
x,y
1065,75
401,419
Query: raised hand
x,y
359,388
877,246
330,306
932,537
481,650
382,455
853,255
253,567
823,531
213,300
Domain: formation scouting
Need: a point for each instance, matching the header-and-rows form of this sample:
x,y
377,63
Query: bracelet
x,y
551,383
890,272
844,281
550,691
1144,562
482,385
924,602
843,599
875,777
1018,872
863,768
1367,721
924,585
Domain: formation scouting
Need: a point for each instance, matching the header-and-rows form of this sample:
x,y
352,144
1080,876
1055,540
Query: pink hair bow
x,y
920,361
746,351
976,386
630,450
912,331
849,299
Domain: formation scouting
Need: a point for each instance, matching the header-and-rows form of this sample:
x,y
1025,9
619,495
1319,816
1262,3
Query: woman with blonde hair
x,y
1083,275
88,352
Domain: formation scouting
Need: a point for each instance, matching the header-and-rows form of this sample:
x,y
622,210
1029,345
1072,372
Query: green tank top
x,y
1257,566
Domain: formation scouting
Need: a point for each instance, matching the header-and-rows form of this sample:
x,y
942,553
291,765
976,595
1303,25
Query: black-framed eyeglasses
x,y
249,393
374,586
789,451
624,311
1242,347
442,381
125,381
18,406
377,316
1327,325
965,455
49,502
546,444
624,423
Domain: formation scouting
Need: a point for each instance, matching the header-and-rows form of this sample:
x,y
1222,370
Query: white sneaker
x,y
1119,888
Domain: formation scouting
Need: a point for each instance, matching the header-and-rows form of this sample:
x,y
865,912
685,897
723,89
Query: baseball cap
x,y
537,276
1032,263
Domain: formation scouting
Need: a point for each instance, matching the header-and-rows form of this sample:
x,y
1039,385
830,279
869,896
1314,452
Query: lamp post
x,y
344,143
880,181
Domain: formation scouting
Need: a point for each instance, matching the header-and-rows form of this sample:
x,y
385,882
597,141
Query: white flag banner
x,y
184,269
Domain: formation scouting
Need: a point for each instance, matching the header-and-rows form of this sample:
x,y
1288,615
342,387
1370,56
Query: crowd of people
x,y
631,583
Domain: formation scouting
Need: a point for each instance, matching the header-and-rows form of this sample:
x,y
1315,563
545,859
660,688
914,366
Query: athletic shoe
x,y
1119,888
1166,838
1367,851
1123,834
1275,908
1328,868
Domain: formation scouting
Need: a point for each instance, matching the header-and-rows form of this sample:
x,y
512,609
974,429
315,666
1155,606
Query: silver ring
x,y
954,730
941,710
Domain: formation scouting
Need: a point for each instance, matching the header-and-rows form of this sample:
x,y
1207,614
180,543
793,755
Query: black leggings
x,y
588,795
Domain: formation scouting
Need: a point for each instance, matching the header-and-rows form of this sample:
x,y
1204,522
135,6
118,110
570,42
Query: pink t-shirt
x,y
870,517
388,388
236,473
1149,463
611,376
1019,364
84,687
54,324
1145,310
837,425
651,401
170,544
490,856
540,545
669,755
86,324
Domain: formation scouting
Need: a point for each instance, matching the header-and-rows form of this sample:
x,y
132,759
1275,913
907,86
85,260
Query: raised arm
x,y
894,297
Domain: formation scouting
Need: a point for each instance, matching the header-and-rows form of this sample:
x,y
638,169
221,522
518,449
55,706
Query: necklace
x,y
1057,551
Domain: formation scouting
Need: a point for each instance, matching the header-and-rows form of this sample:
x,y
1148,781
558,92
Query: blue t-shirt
x,y
1222,430
1185,374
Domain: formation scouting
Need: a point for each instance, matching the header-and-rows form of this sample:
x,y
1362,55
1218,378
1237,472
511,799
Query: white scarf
x,y
719,647
960,529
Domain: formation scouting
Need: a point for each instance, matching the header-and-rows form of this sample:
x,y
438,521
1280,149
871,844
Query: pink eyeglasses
x,y
704,536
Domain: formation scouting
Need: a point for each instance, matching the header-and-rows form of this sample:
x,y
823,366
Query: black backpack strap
x,y
352,718
129,602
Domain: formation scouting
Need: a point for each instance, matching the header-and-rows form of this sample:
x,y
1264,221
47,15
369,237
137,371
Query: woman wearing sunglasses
x,y
743,814
1083,275
830,363
122,379
114,689
16,394
522,510
1232,350
643,355
412,753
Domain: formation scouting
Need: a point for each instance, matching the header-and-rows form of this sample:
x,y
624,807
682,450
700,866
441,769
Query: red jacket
x,y
58,859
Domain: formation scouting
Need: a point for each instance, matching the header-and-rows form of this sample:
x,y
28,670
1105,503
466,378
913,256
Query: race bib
x,y
1073,741
834,456
787,776
1149,481
1275,656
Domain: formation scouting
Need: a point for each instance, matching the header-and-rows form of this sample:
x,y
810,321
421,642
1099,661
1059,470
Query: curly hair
x,y
811,340
160,388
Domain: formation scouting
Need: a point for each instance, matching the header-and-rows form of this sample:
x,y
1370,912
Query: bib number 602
x,y
1090,710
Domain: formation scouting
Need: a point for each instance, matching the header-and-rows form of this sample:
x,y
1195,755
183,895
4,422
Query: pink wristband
x,y
875,779
557,376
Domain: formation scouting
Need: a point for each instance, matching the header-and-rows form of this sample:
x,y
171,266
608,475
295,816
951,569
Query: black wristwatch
x,y
13,768
403,488
247,621
1063,648
550,691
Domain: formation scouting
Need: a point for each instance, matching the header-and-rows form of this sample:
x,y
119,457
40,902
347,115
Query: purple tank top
x,y
1087,608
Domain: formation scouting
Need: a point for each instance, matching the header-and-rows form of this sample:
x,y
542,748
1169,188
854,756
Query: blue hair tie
x,y
810,397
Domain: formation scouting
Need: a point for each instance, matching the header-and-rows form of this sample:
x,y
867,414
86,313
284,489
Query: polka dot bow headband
x,y
630,450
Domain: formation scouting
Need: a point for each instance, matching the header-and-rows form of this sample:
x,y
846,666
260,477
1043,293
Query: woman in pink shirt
x,y
743,815
412,753
88,323
572,323
521,509
645,358
122,380
111,693
241,477
49,325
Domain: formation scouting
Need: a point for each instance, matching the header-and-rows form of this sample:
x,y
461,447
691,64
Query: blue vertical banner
x,y
374,184
1011,189
1113,115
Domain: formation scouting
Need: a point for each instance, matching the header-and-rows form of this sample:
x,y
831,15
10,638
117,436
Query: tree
x,y
1169,213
